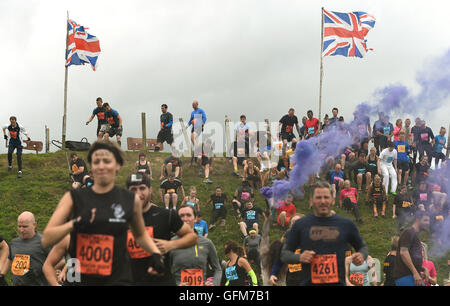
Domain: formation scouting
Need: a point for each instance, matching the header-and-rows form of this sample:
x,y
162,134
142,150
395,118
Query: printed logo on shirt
x,y
325,233
118,214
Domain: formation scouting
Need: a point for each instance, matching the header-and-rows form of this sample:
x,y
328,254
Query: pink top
x,y
349,193
397,131
430,266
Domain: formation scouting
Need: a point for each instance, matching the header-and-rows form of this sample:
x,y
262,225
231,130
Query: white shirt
x,y
387,157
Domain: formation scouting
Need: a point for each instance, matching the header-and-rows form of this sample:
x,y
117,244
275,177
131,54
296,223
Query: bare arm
x,y
56,254
57,228
4,251
348,260
406,257
187,238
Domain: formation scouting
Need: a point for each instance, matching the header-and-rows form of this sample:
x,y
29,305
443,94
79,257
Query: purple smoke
x,y
441,177
309,157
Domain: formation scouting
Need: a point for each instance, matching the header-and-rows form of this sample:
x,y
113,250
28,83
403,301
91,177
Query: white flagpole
x,y
321,76
65,88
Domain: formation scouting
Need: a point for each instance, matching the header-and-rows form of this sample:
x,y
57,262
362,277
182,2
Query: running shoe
x,y
207,181
19,174
236,173
9,168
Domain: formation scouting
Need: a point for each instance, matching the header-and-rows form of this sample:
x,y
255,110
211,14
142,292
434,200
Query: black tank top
x,y
145,167
372,164
236,275
377,191
101,246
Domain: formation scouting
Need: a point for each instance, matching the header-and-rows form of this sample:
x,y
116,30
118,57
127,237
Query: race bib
x,y
424,136
362,171
20,265
423,196
386,130
406,204
289,128
192,277
362,128
439,218
401,149
134,249
324,269
311,130
357,279
337,179
74,168
13,134
218,205
170,190
101,116
295,267
241,151
95,253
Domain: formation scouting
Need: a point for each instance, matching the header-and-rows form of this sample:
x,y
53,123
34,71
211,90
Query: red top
x,y
312,126
289,209
351,193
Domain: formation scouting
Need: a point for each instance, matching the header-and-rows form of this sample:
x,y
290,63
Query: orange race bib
x,y
406,204
95,253
20,265
295,267
13,134
324,269
357,279
134,249
170,190
192,277
401,149
101,116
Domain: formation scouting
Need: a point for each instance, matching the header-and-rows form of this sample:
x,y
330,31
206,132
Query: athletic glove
x,y
6,137
157,263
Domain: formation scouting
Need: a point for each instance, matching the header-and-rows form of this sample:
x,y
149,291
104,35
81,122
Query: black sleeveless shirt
x,y
101,246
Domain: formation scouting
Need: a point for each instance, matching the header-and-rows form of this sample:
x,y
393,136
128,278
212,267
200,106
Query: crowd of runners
x,y
104,234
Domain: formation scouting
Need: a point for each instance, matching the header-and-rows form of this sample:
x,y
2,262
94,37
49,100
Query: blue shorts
x,y
407,280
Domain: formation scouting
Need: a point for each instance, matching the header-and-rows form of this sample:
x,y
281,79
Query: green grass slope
x,y
46,178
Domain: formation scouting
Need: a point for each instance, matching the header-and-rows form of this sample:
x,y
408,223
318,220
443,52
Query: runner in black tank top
x,y
99,246
236,275
101,218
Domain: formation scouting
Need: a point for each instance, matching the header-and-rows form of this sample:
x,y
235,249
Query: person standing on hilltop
x,y
100,112
15,142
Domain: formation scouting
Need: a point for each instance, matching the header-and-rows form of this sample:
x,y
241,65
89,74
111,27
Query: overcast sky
x,y
252,57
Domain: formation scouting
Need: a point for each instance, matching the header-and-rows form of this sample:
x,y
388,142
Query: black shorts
x,y
403,165
197,130
205,160
165,135
114,131
287,136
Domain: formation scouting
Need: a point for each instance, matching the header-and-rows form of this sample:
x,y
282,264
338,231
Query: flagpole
x,y
65,87
321,76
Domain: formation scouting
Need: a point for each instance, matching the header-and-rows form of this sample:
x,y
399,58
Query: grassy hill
x,y
45,179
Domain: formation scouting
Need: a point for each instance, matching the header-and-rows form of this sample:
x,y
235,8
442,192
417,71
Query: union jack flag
x,y
344,33
82,47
